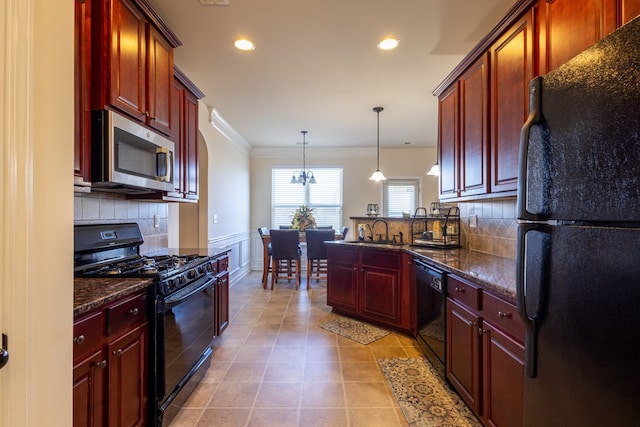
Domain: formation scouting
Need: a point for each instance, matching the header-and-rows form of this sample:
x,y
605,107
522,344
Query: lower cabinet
x,y
222,303
371,284
485,353
110,364
221,292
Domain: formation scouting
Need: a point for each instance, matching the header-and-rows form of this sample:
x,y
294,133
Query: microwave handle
x,y
167,162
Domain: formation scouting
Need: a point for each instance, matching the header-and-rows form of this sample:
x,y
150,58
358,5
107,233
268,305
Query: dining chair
x,y
324,227
317,253
285,253
285,227
266,247
344,231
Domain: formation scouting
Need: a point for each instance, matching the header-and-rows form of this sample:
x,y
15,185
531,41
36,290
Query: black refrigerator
x,y
578,259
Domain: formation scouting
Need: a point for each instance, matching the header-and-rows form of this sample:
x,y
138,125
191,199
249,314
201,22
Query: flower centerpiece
x,y
303,218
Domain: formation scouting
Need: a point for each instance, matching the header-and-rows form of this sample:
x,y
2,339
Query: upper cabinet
x,y
483,102
511,70
463,134
567,27
134,63
124,62
186,169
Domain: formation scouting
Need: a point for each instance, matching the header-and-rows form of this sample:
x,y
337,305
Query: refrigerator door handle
x,y
535,88
532,289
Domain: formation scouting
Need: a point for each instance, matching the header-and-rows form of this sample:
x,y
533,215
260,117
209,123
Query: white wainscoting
x,y
239,256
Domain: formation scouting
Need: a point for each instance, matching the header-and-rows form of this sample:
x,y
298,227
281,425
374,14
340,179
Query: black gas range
x,y
182,326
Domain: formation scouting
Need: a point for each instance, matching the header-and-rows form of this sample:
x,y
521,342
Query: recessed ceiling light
x,y
244,44
388,43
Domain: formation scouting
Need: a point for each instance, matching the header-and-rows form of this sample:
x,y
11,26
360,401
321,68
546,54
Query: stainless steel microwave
x,y
127,157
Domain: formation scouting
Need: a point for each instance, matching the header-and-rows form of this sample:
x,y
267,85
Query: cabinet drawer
x,y
503,315
223,264
342,255
463,292
87,334
126,314
381,260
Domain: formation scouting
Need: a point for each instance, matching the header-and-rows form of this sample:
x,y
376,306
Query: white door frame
x,y
36,205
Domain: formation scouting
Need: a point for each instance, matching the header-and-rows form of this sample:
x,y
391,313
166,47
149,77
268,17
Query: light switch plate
x,y
156,221
473,221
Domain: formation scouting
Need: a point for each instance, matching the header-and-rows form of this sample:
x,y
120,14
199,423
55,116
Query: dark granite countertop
x,y
492,272
95,292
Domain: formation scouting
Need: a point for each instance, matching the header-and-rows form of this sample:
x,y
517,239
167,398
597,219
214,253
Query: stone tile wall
x,y
94,208
496,230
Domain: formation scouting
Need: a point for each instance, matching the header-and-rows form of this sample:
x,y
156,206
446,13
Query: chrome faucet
x,y
386,226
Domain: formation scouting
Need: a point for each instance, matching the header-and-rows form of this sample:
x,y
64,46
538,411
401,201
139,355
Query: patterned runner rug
x,y
425,399
355,330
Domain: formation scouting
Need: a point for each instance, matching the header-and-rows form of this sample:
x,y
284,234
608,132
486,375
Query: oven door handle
x,y
172,303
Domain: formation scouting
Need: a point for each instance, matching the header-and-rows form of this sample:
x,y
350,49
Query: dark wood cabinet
x,y
110,372
511,71
474,129
485,353
448,142
371,284
82,94
160,83
342,279
134,63
380,286
568,27
463,353
89,379
502,377
479,137
221,293
186,171
629,9
127,367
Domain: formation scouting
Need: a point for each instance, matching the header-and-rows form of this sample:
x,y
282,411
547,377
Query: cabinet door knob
x,y
461,290
504,315
472,323
482,331
79,339
118,352
101,365
134,311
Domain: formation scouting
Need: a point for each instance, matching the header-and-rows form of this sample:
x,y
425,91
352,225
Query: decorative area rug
x,y
355,330
423,396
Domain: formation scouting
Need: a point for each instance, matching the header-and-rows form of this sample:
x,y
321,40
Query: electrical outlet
x,y
215,218
473,221
156,221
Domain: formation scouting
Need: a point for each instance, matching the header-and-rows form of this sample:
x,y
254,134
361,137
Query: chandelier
x,y
302,176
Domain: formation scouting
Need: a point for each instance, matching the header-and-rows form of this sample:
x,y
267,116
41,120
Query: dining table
x,y
265,254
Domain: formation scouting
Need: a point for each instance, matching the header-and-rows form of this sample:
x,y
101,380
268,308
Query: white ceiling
x,y
316,66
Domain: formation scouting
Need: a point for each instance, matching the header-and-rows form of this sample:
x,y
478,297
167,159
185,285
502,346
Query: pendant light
x,y
301,177
378,175
435,169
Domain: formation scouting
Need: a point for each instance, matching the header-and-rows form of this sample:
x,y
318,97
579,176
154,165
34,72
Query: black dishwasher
x,y
431,291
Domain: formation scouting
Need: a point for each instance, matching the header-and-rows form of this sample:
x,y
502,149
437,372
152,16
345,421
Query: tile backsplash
x,y
495,233
93,208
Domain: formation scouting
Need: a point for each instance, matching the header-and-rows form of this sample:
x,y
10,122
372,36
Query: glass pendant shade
x,y
378,175
435,170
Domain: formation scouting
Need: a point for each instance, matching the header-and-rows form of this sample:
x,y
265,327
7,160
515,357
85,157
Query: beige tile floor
x,y
274,366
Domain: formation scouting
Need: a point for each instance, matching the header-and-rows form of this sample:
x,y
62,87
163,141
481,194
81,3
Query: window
x,y
325,197
400,195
